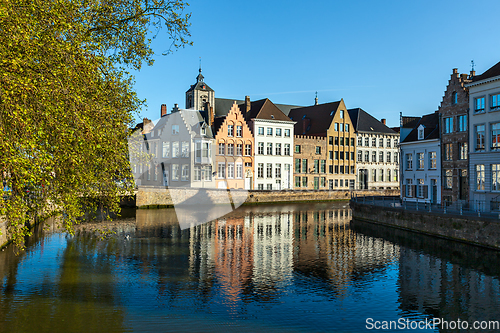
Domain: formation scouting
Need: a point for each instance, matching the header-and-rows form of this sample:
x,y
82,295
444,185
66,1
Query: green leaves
x,y
66,100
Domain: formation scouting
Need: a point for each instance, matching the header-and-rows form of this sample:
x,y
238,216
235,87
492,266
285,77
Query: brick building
x,y
454,138
310,170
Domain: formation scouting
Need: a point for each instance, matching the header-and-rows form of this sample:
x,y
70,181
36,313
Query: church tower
x,y
200,94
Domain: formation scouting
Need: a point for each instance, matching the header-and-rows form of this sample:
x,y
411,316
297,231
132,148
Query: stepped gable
x,y
315,119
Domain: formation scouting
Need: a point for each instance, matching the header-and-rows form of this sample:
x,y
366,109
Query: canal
x,y
276,268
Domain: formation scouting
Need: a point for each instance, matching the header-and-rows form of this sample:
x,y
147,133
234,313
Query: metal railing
x,y
477,208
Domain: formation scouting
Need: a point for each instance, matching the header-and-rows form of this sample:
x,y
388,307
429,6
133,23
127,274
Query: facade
x,y
377,152
234,151
454,139
332,122
421,162
484,139
310,170
273,141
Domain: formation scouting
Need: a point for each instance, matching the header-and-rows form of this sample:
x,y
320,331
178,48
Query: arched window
x,y
454,98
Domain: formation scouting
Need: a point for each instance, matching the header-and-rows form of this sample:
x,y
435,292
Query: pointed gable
x,y
264,109
315,120
233,117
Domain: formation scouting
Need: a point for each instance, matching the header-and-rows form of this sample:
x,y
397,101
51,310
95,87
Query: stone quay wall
x,y
155,197
474,230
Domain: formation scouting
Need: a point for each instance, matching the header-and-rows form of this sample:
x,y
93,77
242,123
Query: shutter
x,y
404,190
426,191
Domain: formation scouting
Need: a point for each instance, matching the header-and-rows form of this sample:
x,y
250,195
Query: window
x,y
269,148
367,156
352,169
261,131
420,191
374,175
336,169
352,155
341,169
336,127
381,157
297,181
341,127
495,102
360,141
330,154
448,125
480,177
175,172
374,156
396,158
278,132
197,173
388,175
208,172
495,177
230,129
222,148
420,133
346,127
304,181
277,170
260,186
409,188
323,182
260,148
248,150
269,131
297,149
330,140
381,143
221,170
287,149
175,129
239,131
239,170
278,149
341,141
409,161
454,98
297,165
304,166
287,133
323,166
388,157
166,150
316,166
230,149
318,150
336,183
479,104
381,175
260,170
388,143
479,135
341,114
462,146
239,149
448,179
175,149
336,140
432,160
462,123
341,155
448,151
360,156
269,187
185,172
374,142
336,155
495,136
367,142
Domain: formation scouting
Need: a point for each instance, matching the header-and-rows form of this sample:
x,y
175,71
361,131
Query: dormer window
x,y
203,131
454,98
421,132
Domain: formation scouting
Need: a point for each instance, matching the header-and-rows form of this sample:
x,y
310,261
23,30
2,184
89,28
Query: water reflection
x,y
260,267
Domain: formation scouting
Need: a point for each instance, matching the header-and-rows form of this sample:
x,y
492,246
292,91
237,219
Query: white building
x,y
484,140
377,160
421,162
273,135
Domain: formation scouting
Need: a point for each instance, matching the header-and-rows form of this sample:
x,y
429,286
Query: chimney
x,y
210,113
455,70
463,76
472,74
247,106
175,108
383,120
163,110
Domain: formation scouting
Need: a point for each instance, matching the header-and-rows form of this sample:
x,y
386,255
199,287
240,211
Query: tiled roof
x,y
218,121
223,105
315,119
263,109
364,122
431,128
492,72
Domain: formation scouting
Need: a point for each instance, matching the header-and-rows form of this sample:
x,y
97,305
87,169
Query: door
x,y
462,179
434,191
363,179
248,183
165,176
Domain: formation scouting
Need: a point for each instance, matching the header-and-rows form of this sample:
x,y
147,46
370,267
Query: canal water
x,y
276,268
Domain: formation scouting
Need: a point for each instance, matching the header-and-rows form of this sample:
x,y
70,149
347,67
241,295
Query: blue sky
x,y
383,56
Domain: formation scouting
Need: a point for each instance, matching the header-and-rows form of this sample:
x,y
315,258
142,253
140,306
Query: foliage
x,y
67,100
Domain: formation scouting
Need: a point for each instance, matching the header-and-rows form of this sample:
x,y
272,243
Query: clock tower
x,y
199,94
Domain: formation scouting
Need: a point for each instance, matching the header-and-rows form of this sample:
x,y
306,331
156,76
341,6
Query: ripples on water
x,y
274,268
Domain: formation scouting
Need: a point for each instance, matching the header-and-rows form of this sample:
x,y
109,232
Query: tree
x,y
67,100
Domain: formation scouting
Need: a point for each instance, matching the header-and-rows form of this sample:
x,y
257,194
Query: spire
x,y
200,77
316,99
